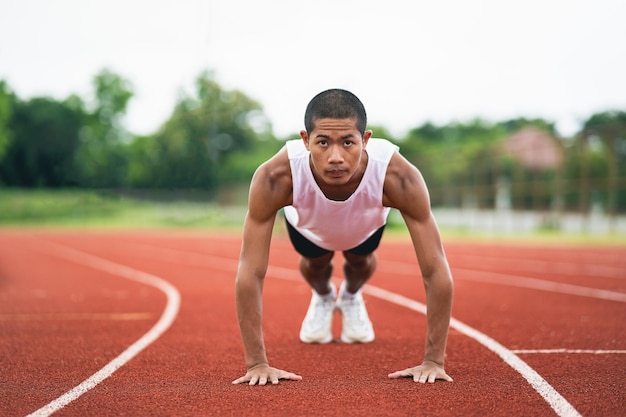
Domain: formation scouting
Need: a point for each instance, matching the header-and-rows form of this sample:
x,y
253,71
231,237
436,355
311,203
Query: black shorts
x,y
309,249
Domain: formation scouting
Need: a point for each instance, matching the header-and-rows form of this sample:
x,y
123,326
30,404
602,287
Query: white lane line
x,y
541,284
76,316
576,351
524,265
176,256
394,267
466,274
558,403
167,318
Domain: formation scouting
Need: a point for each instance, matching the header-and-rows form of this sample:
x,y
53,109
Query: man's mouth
x,y
336,172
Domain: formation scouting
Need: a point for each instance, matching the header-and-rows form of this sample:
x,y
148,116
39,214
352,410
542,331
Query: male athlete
x,y
336,186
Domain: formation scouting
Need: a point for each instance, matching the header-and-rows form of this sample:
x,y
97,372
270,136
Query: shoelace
x,y
322,307
354,312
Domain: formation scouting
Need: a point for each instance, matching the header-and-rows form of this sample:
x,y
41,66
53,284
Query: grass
x,y
538,237
96,209
80,208
548,236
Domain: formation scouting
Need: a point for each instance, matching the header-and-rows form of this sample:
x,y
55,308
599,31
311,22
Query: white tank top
x,y
338,225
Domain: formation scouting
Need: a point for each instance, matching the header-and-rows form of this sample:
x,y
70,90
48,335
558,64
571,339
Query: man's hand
x,y
428,371
263,373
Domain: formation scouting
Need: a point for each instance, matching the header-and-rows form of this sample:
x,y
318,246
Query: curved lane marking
x,y
512,280
396,267
167,318
541,285
528,265
76,316
558,403
573,351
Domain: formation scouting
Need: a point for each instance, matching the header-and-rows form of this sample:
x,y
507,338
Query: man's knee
x,y
317,263
360,262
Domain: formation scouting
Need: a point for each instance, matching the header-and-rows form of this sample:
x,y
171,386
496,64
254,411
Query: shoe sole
x,y
322,341
350,340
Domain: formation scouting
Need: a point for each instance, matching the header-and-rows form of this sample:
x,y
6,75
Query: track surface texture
x,y
105,323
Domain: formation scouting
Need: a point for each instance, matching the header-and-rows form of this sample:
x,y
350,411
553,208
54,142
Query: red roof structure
x,y
535,149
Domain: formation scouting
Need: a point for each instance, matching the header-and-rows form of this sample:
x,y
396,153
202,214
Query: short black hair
x,y
335,104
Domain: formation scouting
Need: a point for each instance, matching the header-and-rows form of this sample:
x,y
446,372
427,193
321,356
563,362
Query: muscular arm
x,y
249,287
405,190
270,190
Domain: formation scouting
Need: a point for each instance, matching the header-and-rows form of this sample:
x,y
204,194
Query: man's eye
x,y
348,143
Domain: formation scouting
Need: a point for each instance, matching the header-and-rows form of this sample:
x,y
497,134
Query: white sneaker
x,y
357,327
317,326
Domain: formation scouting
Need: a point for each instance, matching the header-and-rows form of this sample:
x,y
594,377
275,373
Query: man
x,y
337,186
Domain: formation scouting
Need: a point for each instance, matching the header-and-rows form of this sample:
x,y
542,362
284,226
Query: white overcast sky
x,y
409,61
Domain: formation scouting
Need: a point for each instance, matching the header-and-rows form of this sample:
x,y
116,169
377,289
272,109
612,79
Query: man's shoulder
x,y
403,184
272,180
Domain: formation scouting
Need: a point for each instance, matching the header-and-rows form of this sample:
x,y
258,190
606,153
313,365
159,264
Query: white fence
x,y
508,221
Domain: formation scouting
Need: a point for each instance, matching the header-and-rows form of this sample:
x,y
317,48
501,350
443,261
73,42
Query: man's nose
x,y
336,155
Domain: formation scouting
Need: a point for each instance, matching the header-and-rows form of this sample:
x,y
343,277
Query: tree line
x,y
215,138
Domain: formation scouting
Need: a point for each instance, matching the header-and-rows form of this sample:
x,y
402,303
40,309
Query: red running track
x,y
149,316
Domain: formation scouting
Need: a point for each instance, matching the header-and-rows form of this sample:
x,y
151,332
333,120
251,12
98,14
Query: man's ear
x,y
305,139
366,137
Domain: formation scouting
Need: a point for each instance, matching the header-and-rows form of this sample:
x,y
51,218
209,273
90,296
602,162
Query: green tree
x,y
605,135
513,125
45,137
101,159
6,104
197,146
456,160
382,132
142,160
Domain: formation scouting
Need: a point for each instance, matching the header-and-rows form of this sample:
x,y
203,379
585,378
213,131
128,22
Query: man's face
x,y
336,147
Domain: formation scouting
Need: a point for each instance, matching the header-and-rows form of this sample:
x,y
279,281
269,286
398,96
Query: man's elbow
x,y
249,279
440,278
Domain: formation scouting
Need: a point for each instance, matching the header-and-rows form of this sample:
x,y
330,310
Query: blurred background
x,y
157,113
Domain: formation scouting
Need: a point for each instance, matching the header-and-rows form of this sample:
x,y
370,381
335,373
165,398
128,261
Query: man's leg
x,y
317,324
360,262
317,272
357,326
358,269
316,268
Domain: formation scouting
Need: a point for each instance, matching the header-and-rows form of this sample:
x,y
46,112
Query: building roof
x,y
536,149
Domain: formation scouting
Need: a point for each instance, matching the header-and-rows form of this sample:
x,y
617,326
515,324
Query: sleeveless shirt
x,y
338,225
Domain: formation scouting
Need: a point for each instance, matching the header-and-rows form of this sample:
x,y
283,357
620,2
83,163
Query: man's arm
x,y
270,190
406,190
